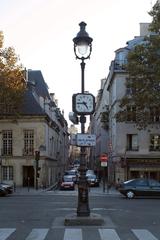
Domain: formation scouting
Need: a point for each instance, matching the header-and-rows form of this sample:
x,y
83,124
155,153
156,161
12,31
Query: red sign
x,y
103,158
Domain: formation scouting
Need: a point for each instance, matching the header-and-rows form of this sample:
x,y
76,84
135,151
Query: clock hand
x,y
85,104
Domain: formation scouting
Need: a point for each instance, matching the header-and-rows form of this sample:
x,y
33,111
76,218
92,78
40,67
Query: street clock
x,y
83,103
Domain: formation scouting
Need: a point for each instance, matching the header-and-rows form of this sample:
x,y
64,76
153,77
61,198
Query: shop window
x,y
132,142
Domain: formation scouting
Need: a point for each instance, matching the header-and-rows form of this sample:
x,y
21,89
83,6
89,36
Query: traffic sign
x,y
86,139
104,164
104,157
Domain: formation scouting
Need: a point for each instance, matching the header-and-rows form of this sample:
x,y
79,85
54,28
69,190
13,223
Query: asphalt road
x,y
41,217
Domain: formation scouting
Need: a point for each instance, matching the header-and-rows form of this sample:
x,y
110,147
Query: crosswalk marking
x,y
72,234
109,234
6,232
76,234
143,234
37,234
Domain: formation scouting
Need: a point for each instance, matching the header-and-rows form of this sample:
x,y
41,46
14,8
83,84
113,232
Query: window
x,y
132,142
29,142
141,183
153,183
131,114
7,173
155,114
154,142
7,142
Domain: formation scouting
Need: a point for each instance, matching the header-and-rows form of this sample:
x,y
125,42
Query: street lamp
x,y
82,50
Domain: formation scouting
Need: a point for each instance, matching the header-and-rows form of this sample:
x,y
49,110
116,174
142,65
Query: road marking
x,y
108,234
143,234
37,234
72,234
6,232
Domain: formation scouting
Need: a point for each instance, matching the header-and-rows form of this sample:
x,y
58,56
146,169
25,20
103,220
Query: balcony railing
x,y
130,148
120,64
154,148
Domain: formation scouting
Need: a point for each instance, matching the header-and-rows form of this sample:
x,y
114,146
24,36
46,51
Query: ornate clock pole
x,y
83,104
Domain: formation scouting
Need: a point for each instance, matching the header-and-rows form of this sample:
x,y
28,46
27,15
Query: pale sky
x,y
41,31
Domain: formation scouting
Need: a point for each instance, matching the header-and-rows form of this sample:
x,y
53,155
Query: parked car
x,y
73,173
90,171
92,180
67,183
2,191
140,187
8,188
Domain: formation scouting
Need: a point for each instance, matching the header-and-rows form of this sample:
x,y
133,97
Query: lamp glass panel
x,y
82,48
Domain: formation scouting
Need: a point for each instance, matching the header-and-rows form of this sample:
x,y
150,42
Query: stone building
x,y
131,152
40,127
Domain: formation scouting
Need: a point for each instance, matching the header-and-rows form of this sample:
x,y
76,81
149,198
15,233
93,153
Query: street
x,y
41,216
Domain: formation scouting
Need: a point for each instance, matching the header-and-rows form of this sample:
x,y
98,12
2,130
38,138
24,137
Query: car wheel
x,y
130,194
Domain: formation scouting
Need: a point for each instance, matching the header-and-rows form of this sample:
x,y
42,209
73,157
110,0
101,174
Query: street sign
x,y
104,157
103,164
86,140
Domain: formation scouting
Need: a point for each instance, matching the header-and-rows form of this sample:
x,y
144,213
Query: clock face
x,y
84,103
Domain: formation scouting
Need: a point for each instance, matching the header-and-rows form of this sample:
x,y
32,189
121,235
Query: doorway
x,y
28,176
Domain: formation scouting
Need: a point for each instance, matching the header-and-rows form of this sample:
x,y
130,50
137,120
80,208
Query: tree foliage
x,y
143,82
12,83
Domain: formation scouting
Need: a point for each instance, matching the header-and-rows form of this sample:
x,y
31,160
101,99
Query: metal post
x,y
104,179
82,75
37,155
83,202
1,168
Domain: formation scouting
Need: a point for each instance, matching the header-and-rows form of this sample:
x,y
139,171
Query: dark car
x,y
92,180
8,188
2,191
67,183
140,187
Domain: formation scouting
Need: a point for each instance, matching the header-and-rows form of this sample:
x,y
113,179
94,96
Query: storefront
x,y
148,168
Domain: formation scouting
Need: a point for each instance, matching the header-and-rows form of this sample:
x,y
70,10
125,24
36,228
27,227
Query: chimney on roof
x,y
144,29
52,96
56,102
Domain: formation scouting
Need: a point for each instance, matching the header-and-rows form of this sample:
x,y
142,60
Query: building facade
x,y
39,127
135,153
131,152
99,126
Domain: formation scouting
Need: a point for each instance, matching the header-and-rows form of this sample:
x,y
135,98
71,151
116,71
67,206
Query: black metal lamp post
x,y
37,157
1,168
82,50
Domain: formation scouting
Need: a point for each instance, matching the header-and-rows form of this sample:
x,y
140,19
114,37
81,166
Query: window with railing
x,y
120,64
7,173
154,142
7,142
28,142
132,142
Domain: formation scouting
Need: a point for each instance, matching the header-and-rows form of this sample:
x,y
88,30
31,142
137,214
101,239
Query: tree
x,y
143,82
12,82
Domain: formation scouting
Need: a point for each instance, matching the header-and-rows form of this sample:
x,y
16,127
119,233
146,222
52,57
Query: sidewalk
x,y
92,191
28,191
